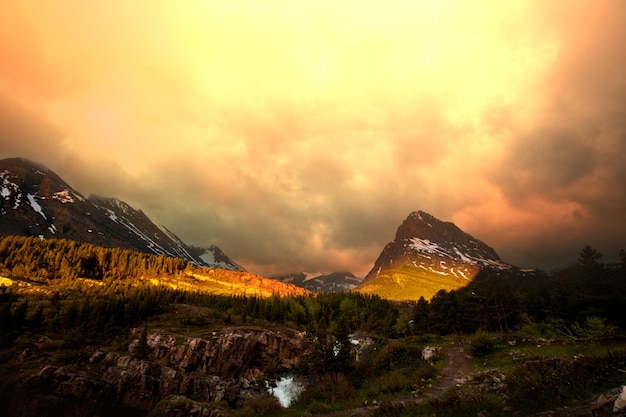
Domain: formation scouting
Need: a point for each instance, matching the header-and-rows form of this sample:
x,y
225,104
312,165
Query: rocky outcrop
x,y
227,366
619,406
180,406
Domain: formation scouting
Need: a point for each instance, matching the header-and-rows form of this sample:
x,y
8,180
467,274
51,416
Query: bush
x,y
550,382
398,355
595,328
263,405
454,402
482,344
465,401
330,388
389,383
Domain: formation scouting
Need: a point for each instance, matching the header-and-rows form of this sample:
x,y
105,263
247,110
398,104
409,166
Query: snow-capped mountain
x,y
34,201
333,282
425,242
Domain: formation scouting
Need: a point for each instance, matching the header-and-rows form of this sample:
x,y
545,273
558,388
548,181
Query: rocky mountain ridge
x,y
34,201
425,242
332,282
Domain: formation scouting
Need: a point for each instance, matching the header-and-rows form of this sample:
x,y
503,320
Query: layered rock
x,y
619,406
227,366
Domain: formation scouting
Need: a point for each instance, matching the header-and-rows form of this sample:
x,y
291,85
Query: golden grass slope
x,y
409,283
205,280
225,282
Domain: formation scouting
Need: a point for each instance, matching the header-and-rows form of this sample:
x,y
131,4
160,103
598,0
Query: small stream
x,y
286,390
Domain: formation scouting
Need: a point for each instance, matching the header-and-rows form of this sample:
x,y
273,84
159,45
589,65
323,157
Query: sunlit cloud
x,y
298,135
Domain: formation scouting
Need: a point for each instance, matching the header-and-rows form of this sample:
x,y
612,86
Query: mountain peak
x,y
423,241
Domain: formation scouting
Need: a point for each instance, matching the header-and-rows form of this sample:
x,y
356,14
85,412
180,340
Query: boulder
x,y
620,403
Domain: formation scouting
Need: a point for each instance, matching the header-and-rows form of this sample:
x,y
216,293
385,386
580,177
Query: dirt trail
x,y
458,362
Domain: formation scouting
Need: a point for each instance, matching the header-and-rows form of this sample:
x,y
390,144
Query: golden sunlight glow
x,y
318,110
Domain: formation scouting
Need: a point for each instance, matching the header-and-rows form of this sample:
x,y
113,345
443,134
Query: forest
x,y
94,290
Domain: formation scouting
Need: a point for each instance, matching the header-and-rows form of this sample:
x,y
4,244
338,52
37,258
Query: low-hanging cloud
x,y
298,136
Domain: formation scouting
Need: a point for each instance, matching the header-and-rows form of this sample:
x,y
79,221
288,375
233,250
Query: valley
x,y
104,313
169,339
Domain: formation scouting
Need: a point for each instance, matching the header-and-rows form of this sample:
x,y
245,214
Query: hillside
x,y
332,282
33,264
409,283
35,201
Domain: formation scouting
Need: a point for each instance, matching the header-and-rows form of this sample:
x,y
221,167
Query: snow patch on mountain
x,y
9,188
426,246
28,191
208,257
63,196
35,205
111,215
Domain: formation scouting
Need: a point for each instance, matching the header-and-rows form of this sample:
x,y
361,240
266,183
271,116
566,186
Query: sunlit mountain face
x,y
296,134
428,255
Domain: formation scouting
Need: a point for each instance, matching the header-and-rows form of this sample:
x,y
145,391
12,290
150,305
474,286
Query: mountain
x,y
333,282
34,201
427,255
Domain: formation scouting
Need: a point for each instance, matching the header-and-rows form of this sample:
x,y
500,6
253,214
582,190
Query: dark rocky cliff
x,y
230,366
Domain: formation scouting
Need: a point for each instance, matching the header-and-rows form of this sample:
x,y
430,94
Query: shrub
x,y
330,388
262,405
465,401
595,328
389,383
397,355
550,382
482,344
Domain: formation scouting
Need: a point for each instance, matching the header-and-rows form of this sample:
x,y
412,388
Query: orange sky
x,y
298,135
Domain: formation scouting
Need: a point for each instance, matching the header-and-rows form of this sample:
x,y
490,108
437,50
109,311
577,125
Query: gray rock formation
x,y
620,403
178,373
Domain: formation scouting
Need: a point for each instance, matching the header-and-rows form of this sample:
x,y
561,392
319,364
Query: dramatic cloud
x,y
298,135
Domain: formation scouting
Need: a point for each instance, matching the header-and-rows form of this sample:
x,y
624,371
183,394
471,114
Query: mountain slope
x,y
427,255
333,282
30,264
34,201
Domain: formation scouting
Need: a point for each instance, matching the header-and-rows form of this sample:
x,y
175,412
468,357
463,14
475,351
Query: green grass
x,y
410,283
506,356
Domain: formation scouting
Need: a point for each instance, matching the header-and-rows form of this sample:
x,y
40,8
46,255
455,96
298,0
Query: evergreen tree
x,y
342,351
588,260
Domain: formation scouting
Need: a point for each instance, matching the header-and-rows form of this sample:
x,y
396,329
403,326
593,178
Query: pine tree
x,y
588,259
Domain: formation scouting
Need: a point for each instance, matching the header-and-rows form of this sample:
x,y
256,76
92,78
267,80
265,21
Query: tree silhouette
x,y
588,259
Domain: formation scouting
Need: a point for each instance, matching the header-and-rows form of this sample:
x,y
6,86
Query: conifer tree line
x,y
572,302
557,304
111,298
50,259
